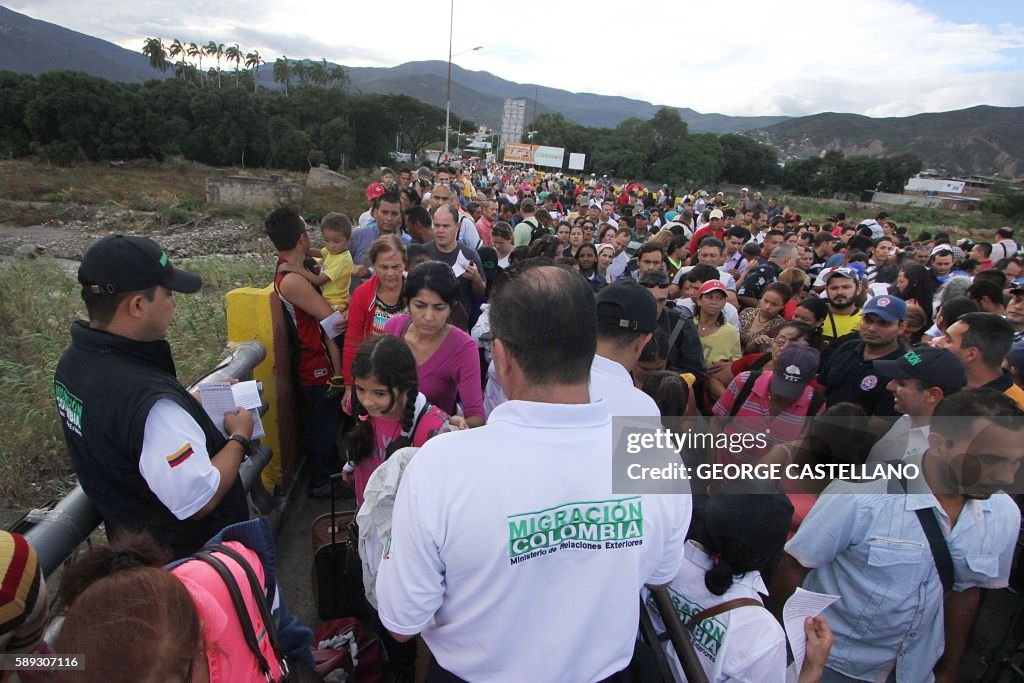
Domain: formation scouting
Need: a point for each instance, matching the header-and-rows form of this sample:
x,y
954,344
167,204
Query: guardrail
x,y
55,531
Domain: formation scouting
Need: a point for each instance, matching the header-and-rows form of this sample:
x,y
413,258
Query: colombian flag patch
x,y
180,456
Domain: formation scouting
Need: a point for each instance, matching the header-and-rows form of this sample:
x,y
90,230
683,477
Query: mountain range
x,y
981,140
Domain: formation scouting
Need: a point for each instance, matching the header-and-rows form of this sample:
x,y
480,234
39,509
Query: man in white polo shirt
x,y
510,553
627,316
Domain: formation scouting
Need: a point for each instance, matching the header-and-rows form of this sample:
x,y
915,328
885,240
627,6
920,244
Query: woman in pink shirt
x,y
447,360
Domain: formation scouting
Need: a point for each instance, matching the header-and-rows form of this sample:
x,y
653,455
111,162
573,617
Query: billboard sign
x,y
577,161
548,156
518,153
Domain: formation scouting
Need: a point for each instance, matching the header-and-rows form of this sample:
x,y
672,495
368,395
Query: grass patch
x,y
914,218
174,189
36,311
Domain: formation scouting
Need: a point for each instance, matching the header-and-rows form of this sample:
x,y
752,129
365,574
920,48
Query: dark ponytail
x,y
388,360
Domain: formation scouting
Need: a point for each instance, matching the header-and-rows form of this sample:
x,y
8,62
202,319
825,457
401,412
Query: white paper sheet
x,y
461,263
223,397
802,604
330,321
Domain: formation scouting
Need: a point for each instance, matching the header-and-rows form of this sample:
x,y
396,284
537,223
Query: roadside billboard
x,y
577,161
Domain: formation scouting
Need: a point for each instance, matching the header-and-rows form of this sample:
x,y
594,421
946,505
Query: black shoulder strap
x,y
676,331
260,594
240,609
936,540
741,397
815,405
938,545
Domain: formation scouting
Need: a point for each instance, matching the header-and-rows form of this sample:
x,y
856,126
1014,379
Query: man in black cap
x,y
627,316
921,379
145,451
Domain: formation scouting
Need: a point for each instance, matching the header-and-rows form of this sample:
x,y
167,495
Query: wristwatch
x,y
245,443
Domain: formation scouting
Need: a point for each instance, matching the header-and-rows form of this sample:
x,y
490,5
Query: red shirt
x,y
314,362
701,234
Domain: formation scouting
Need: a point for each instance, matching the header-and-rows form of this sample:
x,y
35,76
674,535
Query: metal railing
x,y
56,530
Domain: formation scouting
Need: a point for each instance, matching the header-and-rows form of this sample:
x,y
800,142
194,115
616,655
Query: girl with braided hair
x,y
390,411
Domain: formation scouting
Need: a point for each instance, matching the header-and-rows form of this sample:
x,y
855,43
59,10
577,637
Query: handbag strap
x,y
721,607
936,539
939,547
259,593
248,631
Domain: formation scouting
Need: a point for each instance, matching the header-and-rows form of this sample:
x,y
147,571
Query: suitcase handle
x,y
334,479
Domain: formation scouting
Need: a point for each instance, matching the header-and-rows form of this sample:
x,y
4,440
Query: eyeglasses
x,y
652,283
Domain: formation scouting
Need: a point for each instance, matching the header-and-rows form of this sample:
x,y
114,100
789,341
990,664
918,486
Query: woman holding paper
x,y
447,360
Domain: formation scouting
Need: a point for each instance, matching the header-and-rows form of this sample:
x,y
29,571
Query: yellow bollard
x,y
254,313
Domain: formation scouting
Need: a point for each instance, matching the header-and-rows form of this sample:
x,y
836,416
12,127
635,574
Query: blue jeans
x,y
319,424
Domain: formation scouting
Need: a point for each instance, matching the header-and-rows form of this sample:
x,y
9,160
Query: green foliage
x,y
661,149
39,303
66,117
1007,198
747,161
834,172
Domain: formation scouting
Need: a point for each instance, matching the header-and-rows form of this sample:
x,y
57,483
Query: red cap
x,y
374,190
711,286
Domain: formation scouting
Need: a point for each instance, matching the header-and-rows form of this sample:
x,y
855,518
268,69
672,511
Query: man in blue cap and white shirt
x,y
850,374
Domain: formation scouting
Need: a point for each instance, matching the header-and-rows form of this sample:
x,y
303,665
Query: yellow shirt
x,y
839,325
338,267
721,345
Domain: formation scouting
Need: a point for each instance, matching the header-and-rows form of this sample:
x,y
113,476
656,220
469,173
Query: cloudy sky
x,y
738,57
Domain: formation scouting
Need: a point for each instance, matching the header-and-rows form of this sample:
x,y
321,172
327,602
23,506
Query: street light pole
x,y
448,105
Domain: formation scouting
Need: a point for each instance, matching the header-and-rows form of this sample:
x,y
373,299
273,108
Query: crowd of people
x,y
497,319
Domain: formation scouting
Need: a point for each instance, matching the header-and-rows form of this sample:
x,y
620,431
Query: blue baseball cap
x,y
887,307
1016,356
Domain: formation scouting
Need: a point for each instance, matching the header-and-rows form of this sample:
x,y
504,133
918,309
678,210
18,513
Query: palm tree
x,y
282,72
339,76
194,51
157,53
299,69
213,50
234,54
175,51
253,61
318,72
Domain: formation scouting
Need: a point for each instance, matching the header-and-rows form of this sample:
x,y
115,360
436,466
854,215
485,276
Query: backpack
x,y
536,229
812,409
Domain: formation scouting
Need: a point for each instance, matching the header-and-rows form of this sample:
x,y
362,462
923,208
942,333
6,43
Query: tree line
x,y
187,60
662,149
65,117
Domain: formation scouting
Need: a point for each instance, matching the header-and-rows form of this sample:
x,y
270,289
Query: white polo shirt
x,y
512,557
743,644
612,383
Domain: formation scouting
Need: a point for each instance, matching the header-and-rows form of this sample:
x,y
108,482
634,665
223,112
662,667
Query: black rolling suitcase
x,y
337,571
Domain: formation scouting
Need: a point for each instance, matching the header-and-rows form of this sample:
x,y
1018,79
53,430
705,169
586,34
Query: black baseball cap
x,y
627,305
930,365
119,264
754,512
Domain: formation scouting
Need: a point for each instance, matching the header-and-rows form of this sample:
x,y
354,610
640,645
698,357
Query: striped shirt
x,y
753,418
